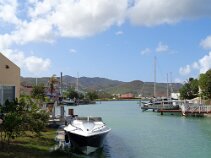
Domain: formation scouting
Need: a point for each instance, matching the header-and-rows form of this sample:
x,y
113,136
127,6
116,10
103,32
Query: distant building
x,y
9,80
126,96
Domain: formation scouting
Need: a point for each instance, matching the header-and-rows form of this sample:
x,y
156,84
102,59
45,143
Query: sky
x,y
114,39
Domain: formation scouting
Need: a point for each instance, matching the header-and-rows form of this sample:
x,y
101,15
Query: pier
x,y
187,109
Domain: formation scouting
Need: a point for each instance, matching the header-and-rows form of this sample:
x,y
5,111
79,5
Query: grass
x,y
32,146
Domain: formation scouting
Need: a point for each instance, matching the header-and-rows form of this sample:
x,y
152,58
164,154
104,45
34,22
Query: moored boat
x,y
157,104
86,134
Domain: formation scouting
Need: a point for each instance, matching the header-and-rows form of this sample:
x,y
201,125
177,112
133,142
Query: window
x,y
7,93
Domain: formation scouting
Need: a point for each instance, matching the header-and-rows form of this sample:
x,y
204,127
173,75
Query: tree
x,y
92,95
71,93
205,84
20,116
38,92
104,95
12,120
190,89
52,82
80,96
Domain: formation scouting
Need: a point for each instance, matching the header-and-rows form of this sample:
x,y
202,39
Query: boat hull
x,y
160,107
86,144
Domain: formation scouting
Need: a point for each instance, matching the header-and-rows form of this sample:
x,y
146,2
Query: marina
x,y
105,79
138,134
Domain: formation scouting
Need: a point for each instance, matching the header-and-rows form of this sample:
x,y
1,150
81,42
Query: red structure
x,y
126,96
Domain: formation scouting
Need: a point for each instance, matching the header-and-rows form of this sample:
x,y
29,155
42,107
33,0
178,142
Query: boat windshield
x,y
89,118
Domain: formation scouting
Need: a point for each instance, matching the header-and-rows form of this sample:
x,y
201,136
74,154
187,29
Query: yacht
x,y
86,134
162,103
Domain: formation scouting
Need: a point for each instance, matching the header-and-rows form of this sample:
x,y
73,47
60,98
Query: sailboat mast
x,y
167,90
61,84
77,82
155,76
171,86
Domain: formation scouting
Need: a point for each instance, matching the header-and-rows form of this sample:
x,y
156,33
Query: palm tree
x,y
52,82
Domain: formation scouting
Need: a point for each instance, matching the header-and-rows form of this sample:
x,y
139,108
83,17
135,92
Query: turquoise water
x,y
137,134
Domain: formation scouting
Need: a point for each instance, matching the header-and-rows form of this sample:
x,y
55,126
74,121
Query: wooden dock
x,y
190,110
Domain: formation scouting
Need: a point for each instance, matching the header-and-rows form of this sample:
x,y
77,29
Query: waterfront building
x,y
9,80
126,96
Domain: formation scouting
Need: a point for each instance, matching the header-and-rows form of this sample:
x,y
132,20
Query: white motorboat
x,y
86,134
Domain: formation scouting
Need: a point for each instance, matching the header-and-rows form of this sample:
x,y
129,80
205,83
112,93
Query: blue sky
x,y
115,39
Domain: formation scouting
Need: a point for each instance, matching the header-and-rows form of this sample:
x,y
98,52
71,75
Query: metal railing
x,y
199,108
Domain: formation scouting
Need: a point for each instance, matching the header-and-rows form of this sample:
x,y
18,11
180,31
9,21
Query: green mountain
x,y
110,86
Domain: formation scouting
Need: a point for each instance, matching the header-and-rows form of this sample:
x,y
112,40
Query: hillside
x,y
107,85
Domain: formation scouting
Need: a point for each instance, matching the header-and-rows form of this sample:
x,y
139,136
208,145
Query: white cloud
x,y
205,63
202,65
118,33
32,64
206,43
185,70
87,18
8,9
162,47
41,8
5,41
48,19
35,64
146,51
36,30
195,65
154,12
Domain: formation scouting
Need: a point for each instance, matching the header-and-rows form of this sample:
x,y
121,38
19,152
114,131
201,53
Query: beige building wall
x,y
9,74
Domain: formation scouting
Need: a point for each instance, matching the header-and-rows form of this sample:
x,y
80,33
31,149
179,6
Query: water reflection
x,y
99,153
